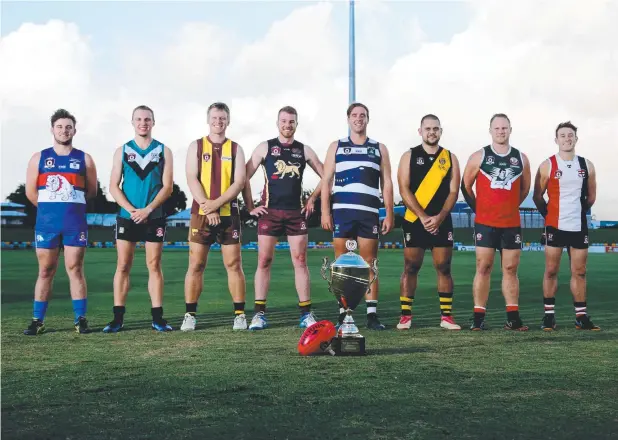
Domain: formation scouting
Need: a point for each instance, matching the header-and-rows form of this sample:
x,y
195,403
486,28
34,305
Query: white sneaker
x,y
258,322
240,322
448,323
307,319
188,324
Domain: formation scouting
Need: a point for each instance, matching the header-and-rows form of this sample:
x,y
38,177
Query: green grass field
x,y
218,384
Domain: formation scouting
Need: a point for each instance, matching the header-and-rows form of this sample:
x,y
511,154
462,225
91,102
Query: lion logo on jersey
x,y
502,178
59,186
283,169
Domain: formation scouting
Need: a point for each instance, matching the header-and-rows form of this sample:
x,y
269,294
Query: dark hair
x,y
62,114
566,124
357,104
143,107
499,115
288,109
219,106
430,116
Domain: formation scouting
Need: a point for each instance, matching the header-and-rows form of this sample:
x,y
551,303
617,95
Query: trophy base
x,y
353,345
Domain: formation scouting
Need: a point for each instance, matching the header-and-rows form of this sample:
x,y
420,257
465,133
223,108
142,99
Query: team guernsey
x,y
61,211
356,193
216,163
284,166
498,195
430,179
567,191
142,179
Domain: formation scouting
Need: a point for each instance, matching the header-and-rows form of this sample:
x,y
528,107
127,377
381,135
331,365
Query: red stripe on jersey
x,y
497,208
553,193
73,178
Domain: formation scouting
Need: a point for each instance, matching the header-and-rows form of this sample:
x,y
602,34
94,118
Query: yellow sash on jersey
x,y
226,172
430,184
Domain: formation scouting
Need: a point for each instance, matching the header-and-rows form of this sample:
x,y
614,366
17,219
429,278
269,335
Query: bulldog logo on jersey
x,y
59,186
293,169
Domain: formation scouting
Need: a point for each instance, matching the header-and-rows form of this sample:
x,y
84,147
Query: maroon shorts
x,y
280,222
226,232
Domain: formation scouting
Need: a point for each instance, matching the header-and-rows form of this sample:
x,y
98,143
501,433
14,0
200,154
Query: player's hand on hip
x,y
213,219
258,212
141,215
327,222
388,224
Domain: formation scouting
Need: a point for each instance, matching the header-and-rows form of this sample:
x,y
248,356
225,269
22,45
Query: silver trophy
x,y
349,281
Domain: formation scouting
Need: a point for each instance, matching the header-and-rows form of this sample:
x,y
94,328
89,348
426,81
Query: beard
x,y
66,143
432,143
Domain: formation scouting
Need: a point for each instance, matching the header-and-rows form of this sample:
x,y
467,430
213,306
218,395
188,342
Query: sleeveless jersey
x,y
62,192
498,188
142,175
216,173
567,190
357,176
430,180
283,167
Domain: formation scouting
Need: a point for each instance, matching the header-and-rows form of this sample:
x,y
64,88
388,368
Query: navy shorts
x,y
352,223
52,240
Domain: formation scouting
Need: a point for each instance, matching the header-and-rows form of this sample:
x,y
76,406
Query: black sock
x,y
406,305
191,308
513,316
479,314
372,307
446,303
239,308
304,306
259,306
119,313
157,314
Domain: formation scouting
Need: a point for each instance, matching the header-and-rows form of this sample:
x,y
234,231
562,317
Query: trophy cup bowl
x,y
349,281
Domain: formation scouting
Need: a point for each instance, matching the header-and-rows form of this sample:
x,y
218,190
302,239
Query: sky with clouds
x,y
541,62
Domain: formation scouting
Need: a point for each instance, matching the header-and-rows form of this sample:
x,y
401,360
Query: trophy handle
x,y
373,267
323,272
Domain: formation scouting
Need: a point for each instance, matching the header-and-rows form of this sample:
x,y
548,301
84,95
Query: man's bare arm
x,y
191,171
540,186
32,179
469,177
114,183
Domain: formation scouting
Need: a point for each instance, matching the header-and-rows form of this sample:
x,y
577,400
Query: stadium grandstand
x,y
12,213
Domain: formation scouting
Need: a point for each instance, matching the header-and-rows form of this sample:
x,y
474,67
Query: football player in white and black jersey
x,y
570,183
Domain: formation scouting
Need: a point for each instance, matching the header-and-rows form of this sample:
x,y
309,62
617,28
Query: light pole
x,y
352,61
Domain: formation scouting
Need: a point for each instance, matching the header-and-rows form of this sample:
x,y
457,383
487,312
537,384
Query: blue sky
x,y
461,60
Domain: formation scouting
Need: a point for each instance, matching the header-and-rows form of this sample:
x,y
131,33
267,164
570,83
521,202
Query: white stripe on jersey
x,y
152,156
68,195
357,207
357,188
570,205
350,165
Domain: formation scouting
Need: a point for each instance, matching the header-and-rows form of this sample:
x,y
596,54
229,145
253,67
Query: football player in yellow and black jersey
x,y
429,185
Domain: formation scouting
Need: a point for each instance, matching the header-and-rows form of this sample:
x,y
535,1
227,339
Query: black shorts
x,y
152,231
415,235
497,238
571,239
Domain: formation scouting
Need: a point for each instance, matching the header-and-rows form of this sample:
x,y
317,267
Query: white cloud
x,y
539,62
